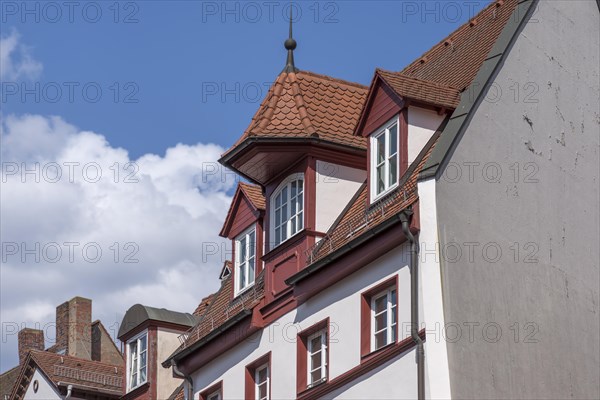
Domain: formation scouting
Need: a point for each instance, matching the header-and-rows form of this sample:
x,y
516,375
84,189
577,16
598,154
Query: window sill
x,y
289,242
375,353
136,391
310,389
384,194
244,290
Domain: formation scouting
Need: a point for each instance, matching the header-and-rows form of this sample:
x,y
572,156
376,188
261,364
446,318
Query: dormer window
x,y
245,259
137,361
384,160
287,209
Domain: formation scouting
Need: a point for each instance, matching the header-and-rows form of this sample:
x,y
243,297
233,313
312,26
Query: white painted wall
x,y
422,124
335,186
341,303
168,342
436,354
46,390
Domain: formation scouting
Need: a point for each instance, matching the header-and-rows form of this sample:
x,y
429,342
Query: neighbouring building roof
x,y
306,104
7,382
84,375
138,314
178,393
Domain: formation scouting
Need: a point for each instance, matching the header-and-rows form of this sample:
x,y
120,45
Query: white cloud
x,y
164,219
16,61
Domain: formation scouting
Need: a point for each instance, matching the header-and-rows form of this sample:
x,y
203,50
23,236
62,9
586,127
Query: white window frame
x,y
267,382
310,351
298,216
137,339
392,311
250,256
388,186
216,395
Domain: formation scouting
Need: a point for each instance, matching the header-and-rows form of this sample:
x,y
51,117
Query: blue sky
x,y
160,89
171,57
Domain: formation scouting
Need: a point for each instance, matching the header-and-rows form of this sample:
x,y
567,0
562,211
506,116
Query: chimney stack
x,y
29,339
74,328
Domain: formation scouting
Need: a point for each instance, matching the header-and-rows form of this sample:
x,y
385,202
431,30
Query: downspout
x,y
188,378
405,218
69,392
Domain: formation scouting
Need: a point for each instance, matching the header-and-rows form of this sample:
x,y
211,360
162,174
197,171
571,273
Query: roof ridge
x,y
34,353
300,105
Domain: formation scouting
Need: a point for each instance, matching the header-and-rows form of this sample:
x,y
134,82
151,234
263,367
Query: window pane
x,y
393,170
380,179
380,143
315,343
252,243
278,200
262,391
293,190
284,195
393,140
134,381
381,321
277,236
315,376
380,304
315,360
251,270
143,343
242,276
277,217
380,339
300,185
262,375
300,202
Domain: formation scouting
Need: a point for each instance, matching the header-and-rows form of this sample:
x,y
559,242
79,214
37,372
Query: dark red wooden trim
x,y
211,389
365,312
249,384
403,142
364,367
302,353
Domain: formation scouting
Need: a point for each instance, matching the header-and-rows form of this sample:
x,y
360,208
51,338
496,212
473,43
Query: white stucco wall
x,y
168,341
341,303
422,124
335,186
46,390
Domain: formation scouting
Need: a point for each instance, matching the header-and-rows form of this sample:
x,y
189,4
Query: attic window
x,y
245,259
384,166
137,356
287,209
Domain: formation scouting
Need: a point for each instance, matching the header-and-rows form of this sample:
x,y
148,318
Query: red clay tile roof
x,y
421,90
254,194
305,104
222,308
455,60
7,381
91,375
178,393
204,303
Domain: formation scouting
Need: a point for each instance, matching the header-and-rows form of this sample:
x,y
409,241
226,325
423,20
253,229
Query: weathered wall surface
x,y
533,196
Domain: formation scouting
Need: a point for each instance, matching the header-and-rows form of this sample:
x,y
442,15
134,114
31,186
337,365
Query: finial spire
x,y
290,45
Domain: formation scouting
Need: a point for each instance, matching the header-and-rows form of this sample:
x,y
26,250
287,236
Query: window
x,y
312,356
383,322
384,159
137,355
245,259
261,382
258,379
379,316
214,392
287,209
317,358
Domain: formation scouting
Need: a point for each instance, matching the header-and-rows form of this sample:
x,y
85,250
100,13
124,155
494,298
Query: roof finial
x,y
290,45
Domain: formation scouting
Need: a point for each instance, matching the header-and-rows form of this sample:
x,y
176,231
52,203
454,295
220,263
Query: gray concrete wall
x,y
544,297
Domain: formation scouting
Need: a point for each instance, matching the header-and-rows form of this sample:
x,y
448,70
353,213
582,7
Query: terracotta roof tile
x,y
222,308
455,60
305,104
254,194
421,90
89,374
7,381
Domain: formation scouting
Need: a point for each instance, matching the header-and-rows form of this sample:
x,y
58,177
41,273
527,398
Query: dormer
x,y
244,227
400,116
301,148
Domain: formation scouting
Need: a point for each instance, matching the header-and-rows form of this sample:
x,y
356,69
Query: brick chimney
x,y
74,327
29,339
